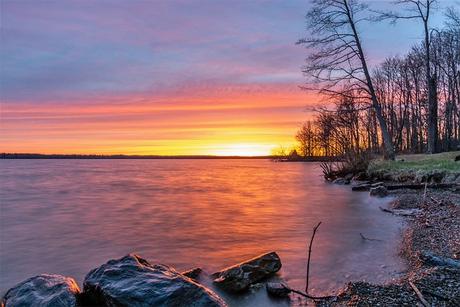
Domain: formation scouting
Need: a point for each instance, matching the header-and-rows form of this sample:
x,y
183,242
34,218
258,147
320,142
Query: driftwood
x,y
402,212
431,258
419,295
411,186
421,186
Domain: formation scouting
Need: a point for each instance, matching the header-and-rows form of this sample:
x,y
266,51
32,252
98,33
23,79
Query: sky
x,y
175,77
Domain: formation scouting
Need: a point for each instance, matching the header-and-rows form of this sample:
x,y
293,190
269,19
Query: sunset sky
x,y
161,77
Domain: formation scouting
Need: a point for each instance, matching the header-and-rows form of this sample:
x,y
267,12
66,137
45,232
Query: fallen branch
x,y
421,186
368,239
309,254
431,258
420,295
415,186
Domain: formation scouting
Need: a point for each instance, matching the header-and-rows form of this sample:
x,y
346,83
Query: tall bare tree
x,y
336,56
421,10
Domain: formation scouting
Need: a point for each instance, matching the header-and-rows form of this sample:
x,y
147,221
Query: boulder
x,y
133,281
379,191
278,289
43,290
240,276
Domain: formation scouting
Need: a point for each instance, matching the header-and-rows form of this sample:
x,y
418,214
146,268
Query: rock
x,y
360,176
193,273
133,281
341,181
348,176
278,289
379,191
361,187
240,276
43,290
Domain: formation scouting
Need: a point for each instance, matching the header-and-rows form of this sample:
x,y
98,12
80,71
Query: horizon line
x,y
8,155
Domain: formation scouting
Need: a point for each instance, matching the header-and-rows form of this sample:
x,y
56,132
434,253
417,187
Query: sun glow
x,y
247,150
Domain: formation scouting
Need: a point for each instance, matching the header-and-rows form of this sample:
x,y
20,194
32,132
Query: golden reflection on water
x,y
69,216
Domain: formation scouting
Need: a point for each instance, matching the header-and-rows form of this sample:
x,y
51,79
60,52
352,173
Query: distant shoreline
x,y
150,157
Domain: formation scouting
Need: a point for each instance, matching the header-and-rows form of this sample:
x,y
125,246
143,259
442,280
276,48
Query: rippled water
x,y
69,216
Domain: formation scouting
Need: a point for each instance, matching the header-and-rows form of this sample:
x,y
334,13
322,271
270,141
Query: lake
x,y
69,216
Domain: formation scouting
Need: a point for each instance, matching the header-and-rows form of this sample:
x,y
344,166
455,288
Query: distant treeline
x,y
75,156
407,104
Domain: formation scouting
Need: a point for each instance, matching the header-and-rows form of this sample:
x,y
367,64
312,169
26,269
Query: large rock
x,y
240,276
44,291
379,191
133,281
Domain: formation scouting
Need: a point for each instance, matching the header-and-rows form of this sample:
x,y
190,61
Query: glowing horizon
x,y
159,78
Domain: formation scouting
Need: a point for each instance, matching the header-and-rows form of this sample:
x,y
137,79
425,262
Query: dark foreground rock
x,y
240,276
133,281
43,290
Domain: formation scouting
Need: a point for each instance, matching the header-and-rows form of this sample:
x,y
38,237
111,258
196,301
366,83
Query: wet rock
x,y
133,281
348,177
193,273
377,184
361,187
341,181
240,276
43,290
361,176
379,191
278,289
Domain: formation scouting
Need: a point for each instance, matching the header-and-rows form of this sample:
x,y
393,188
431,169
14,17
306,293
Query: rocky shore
x,y
430,244
133,281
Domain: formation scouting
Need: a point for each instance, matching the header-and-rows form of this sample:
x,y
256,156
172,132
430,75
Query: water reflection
x,y
68,216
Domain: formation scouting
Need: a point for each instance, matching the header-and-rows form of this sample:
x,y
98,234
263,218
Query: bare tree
x,y
306,136
337,58
421,10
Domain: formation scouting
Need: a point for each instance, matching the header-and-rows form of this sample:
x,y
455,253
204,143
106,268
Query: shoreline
x,y
432,228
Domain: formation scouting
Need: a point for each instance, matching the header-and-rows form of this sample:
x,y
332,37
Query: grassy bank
x,y
419,168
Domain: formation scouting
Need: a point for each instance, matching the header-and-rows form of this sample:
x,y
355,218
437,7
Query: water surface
x,y
69,216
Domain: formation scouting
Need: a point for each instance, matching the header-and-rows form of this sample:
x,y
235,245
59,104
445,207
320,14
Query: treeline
x,y
408,104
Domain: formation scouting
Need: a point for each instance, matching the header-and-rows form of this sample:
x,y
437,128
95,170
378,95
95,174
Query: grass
x,y
419,162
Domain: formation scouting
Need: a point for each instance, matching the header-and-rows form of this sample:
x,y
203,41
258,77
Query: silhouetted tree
x,y
337,58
